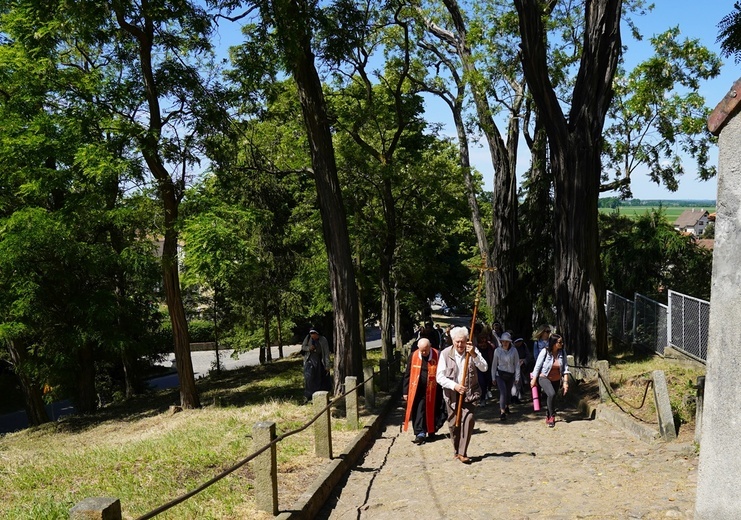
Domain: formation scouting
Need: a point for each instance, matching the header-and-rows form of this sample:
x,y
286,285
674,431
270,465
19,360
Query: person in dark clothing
x,y
315,350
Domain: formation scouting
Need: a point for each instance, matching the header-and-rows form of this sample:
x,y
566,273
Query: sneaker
x,y
551,422
503,417
483,402
488,394
419,438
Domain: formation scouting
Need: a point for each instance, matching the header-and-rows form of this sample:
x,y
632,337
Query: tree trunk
x,y
86,400
33,400
280,333
150,145
473,203
537,246
267,357
397,318
504,210
387,266
216,329
293,23
183,361
576,146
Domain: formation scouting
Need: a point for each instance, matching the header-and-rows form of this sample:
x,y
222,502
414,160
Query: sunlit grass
x,y
146,456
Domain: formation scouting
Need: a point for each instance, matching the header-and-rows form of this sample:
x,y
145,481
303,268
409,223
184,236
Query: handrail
x,y
186,496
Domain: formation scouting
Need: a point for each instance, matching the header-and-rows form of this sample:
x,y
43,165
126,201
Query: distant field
x,y
671,212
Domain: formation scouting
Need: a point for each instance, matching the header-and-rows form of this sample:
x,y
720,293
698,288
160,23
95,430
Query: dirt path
x,y
521,470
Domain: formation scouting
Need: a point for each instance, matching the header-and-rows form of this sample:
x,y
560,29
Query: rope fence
x,y
99,504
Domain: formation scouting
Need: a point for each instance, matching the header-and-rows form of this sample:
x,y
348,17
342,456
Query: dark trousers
x,y
460,436
505,380
550,388
419,410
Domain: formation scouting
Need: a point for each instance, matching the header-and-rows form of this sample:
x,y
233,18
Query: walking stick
x,y
470,338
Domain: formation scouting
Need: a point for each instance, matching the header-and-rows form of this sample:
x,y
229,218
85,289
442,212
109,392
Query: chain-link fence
x,y
619,317
650,323
689,319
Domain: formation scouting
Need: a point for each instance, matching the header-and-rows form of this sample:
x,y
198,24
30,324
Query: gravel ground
x,y
521,470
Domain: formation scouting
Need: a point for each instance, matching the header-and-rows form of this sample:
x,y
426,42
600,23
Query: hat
x,y
313,331
505,337
518,339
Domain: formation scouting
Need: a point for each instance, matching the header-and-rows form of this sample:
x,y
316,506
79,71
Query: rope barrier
x,y
232,469
614,397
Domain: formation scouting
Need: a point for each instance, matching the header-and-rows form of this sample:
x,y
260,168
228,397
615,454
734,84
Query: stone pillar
x,y
719,472
370,389
322,426
603,378
663,407
97,508
351,402
265,466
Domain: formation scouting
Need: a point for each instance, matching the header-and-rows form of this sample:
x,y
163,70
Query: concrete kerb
x,y
310,503
644,432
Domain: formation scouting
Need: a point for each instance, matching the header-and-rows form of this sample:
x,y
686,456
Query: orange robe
x,y
431,392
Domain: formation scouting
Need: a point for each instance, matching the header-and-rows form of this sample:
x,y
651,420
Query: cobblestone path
x,y
521,470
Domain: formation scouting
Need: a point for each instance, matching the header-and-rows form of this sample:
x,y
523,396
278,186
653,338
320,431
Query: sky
x,y
697,19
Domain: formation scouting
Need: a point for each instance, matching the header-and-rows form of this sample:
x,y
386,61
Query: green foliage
x,y
657,115
729,33
646,255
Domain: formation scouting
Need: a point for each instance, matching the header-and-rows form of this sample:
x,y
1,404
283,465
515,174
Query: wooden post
x,y
97,508
370,389
265,466
351,403
323,426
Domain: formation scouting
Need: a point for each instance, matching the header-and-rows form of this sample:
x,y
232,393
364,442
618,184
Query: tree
x,y
647,255
575,148
656,113
293,22
729,35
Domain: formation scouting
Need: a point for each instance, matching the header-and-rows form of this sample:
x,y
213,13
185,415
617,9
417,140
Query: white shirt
x,y
476,357
507,361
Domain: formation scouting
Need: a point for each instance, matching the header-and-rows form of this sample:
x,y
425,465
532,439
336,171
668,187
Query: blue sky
x,y
696,19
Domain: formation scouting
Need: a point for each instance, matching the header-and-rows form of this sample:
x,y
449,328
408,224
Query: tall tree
x,y
575,150
293,22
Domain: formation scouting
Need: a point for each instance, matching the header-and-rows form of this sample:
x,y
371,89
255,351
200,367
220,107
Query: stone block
x,y
265,467
97,508
322,426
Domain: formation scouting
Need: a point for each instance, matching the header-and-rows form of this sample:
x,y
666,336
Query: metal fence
x,y
619,317
683,324
689,319
650,323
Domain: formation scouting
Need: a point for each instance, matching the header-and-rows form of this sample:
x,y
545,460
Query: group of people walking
x,y
448,384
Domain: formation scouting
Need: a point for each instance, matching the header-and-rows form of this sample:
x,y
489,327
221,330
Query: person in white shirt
x,y
505,370
450,377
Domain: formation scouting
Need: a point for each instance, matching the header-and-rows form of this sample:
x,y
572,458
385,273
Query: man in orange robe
x,y
420,391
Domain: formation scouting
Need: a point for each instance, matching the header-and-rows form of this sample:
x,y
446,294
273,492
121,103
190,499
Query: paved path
x,y
521,470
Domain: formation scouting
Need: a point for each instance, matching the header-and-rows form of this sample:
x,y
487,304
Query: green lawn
x,y
671,212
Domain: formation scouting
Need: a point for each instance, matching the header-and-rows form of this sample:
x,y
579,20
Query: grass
x,y
629,375
146,456
671,212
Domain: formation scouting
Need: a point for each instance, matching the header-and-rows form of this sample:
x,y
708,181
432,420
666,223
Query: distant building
x,y
692,221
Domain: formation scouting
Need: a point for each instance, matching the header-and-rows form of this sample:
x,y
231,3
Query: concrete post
x,y
265,466
603,368
322,426
719,471
384,368
351,403
663,407
576,373
97,508
370,389
700,386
